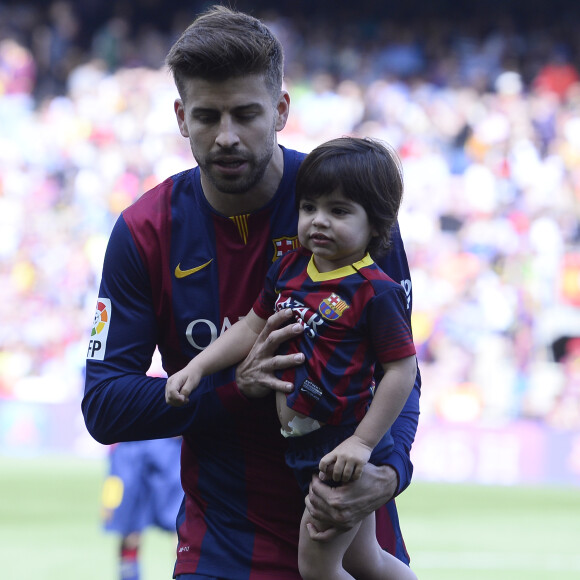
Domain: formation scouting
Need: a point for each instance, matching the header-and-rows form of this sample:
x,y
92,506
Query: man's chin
x,y
233,186
231,189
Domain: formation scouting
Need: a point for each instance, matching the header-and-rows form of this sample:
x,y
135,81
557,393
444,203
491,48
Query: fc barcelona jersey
x,y
352,317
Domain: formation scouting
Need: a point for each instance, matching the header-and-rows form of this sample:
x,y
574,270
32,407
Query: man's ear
x,y
283,108
179,109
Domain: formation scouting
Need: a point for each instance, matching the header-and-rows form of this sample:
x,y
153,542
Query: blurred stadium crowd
x,y
485,114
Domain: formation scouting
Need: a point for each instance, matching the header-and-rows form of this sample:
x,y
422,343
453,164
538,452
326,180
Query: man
x,y
185,262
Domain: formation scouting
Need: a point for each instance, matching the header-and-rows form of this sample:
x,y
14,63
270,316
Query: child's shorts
x,y
305,452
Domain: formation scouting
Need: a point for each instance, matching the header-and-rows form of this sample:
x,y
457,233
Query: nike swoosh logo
x,y
179,273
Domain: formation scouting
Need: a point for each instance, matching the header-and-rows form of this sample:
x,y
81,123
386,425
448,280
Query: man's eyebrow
x,y
205,110
236,109
247,106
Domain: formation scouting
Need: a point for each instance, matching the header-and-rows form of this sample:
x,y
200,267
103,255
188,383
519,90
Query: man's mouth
x,y
229,165
229,162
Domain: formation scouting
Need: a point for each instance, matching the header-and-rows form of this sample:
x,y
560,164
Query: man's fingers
x,y
315,502
276,321
256,375
286,361
277,336
325,536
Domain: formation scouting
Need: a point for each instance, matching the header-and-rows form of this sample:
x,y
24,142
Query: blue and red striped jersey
x,y
176,275
352,317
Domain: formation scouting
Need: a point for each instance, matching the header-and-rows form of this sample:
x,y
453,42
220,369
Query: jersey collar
x,y
317,276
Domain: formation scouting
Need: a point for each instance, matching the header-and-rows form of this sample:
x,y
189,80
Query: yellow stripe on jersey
x,y
241,222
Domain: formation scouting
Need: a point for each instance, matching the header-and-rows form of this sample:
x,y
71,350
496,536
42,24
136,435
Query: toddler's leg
x,y
365,558
318,560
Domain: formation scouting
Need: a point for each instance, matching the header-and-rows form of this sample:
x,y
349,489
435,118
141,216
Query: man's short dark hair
x,y
222,43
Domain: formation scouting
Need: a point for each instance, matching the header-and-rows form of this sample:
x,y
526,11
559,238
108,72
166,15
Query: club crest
x,y
284,245
332,307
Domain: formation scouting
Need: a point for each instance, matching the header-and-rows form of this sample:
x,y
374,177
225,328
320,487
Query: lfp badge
x,y
100,330
332,307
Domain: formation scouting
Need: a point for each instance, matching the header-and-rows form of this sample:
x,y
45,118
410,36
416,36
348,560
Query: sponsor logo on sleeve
x,y
100,330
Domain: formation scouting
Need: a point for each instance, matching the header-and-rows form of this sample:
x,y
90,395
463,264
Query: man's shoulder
x,y
292,154
292,160
154,206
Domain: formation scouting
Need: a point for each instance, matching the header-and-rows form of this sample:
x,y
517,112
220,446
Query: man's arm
x,y
403,432
122,403
395,264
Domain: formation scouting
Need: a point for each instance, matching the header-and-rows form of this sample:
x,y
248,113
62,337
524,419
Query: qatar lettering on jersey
x,y
100,330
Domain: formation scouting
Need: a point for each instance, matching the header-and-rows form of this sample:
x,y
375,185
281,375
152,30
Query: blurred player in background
x,y
142,490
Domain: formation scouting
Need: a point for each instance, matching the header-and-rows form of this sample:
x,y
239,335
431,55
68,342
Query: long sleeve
x,y
404,428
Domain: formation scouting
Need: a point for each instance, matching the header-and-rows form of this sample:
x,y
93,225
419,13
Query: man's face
x,y
231,126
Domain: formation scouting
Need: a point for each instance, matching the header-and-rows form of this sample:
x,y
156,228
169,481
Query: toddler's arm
x,y
346,461
230,348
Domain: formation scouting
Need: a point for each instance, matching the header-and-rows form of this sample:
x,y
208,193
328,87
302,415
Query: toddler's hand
x,y
346,461
180,385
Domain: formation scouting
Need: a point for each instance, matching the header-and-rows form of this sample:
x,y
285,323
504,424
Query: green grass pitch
x,y
50,528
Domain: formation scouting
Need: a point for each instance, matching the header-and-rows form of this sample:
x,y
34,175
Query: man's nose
x,y
227,135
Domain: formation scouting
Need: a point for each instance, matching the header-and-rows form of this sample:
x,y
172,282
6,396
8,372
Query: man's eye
x,y
245,117
205,119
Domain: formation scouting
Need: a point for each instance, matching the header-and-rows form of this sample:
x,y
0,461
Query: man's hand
x,y
334,510
255,375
